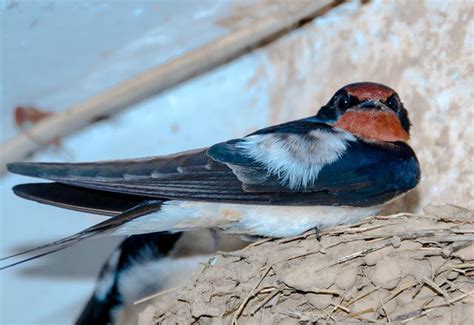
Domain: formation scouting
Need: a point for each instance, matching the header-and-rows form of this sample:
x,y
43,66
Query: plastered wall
x,y
423,49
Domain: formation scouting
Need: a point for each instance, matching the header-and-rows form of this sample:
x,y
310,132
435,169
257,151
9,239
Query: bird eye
x,y
342,101
393,103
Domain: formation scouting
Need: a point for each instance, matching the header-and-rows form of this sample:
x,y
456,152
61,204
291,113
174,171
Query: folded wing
x,y
308,163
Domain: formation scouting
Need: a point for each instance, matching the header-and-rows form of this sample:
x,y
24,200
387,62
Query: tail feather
x,y
142,209
34,256
78,198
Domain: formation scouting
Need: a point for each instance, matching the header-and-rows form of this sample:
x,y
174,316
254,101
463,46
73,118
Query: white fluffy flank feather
x,y
296,159
260,220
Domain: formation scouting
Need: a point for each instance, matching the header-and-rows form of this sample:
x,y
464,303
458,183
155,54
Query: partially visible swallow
x,y
149,263
341,165
133,270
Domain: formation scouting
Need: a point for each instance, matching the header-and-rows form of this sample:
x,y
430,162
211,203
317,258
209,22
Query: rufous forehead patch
x,y
364,91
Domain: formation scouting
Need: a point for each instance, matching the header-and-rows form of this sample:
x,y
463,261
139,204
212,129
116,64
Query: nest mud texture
x,y
402,268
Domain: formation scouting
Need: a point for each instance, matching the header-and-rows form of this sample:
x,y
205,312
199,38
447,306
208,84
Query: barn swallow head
x,y
369,110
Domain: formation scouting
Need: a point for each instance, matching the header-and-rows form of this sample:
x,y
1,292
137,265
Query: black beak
x,y
372,105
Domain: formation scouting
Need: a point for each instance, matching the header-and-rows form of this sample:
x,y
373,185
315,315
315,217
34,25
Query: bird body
x,y
149,263
343,164
254,220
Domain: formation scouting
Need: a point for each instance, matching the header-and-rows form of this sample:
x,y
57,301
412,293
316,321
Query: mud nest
x,y
392,269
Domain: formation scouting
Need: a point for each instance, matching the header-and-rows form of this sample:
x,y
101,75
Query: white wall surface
x,y
55,54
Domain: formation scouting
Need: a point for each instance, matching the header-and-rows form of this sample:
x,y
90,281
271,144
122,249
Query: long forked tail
x,y
144,208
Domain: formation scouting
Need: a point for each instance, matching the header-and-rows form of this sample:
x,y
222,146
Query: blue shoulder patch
x,y
227,152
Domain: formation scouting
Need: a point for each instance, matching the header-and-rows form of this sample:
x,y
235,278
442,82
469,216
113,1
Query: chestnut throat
x,y
374,125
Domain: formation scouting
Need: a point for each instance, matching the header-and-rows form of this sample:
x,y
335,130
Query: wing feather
x,y
304,163
78,198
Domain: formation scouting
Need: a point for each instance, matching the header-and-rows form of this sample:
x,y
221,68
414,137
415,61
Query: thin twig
x,y
462,266
154,81
258,243
265,301
427,309
435,287
450,302
152,296
249,296
385,311
361,296
338,306
397,292
418,314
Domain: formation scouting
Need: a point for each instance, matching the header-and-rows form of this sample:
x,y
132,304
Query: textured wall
x,y
423,49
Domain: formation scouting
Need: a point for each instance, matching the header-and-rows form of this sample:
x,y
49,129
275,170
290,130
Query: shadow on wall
x,y
410,202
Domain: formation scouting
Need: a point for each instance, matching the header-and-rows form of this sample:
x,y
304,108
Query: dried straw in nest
x,y
391,269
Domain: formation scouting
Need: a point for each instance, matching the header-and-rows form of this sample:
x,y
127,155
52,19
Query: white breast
x,y
262,220
294,158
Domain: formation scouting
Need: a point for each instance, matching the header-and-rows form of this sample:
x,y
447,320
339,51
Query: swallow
x,y
145,264
341,165
125,277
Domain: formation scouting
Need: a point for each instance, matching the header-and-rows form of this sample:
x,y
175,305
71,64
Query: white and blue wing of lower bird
x,y
343,164
146,264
